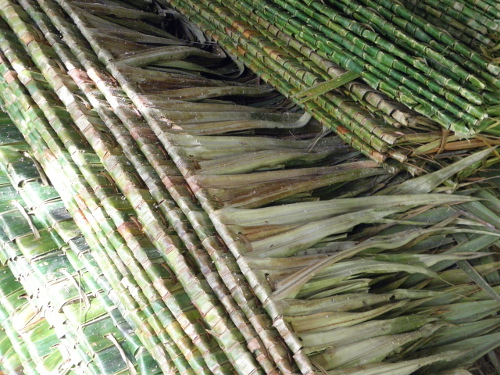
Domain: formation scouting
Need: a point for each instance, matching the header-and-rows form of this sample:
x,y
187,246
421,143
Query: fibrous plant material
x,y
50,257
231,230
426,70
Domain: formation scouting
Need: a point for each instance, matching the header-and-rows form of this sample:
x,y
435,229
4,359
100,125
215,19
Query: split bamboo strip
x,y
165,246
27,320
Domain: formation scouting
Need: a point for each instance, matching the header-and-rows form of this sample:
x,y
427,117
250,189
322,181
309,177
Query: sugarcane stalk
x,y
143,139
373,37
369,14
342,131
167,247
461,18
50,213
180,161
11,102
425,28
326,46
479,17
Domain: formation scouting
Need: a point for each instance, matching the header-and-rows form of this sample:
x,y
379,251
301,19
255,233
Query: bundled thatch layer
x,y
198,222
308,48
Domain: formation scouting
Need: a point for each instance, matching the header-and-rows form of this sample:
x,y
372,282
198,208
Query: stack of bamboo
x,y
163,211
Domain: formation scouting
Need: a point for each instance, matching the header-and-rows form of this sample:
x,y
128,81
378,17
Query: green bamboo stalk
x,y
299,48
326,65
466,61
484,4
384,133
460,31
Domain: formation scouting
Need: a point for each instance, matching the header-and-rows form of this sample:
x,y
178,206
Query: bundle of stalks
x,y
309,49
49,256
474,23
200,222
